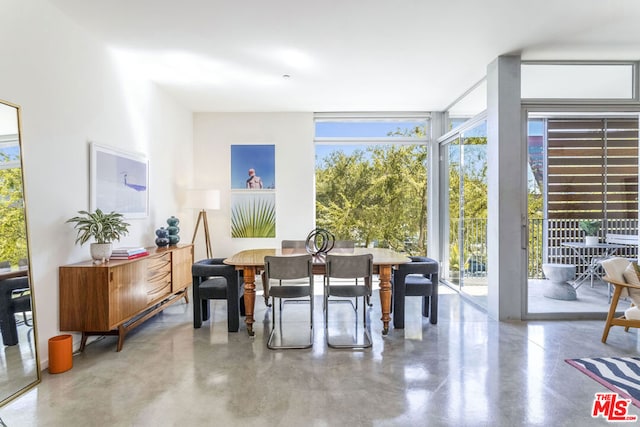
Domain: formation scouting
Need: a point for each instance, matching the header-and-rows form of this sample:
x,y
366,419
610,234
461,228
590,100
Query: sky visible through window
x,y
364,129
354,129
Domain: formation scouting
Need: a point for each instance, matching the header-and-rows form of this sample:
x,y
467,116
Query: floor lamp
x,y
204,200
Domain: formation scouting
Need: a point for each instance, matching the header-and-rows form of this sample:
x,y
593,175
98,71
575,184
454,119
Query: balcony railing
x,y
545,243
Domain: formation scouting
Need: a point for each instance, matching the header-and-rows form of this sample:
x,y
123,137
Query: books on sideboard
x,y
129,253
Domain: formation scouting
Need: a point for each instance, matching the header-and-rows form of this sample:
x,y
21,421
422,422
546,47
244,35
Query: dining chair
x,y
416,278
348,246
11,304
623,275
212,279
348,267
21,299
294,246
287,271
344,245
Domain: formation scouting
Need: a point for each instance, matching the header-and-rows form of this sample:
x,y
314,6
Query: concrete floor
x,y
467,370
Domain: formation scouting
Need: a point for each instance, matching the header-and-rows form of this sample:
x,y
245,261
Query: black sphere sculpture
x,y
319,241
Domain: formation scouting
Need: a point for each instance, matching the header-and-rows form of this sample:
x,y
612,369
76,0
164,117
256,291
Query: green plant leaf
x,y
103,228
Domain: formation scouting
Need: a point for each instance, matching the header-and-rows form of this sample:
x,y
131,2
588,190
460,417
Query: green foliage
x,y
376,195
104,228
590,228
13,246
255,218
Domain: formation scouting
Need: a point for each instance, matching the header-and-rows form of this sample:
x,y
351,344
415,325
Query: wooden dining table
x,y
251,263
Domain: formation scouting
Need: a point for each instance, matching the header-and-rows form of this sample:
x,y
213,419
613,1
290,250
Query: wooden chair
x,y
614,269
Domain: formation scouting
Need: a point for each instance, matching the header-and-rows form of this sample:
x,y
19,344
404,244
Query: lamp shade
x,y
203,199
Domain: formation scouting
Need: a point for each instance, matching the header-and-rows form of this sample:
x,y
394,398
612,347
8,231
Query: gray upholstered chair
x,y
11,304
416,278
348,246
288,270
212,279
348,267
292,246
344,245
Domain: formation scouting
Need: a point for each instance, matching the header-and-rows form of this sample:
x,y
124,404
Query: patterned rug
x,y
619,374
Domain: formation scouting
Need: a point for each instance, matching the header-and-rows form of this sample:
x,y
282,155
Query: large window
x,y
371,179
582,166
464,189
569,80
13,246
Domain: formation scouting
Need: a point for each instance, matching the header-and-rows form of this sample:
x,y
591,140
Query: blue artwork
x,y
253,167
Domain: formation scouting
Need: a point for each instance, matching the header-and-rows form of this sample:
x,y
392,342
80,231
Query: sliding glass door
x,y
464,197
581,167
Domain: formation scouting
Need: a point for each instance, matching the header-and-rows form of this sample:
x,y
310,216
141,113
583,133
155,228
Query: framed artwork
x,y
119,182
253,214
253,167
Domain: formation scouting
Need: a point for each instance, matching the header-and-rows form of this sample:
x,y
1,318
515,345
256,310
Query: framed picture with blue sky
x,y
253,167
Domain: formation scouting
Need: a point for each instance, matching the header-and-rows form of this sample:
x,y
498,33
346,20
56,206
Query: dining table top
x,y
600,245
13,273
255,257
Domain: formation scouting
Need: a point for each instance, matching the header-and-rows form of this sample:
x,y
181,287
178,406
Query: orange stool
x,y
60,354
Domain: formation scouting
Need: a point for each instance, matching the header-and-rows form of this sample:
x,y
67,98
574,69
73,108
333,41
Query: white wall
x,y
292,135
72,91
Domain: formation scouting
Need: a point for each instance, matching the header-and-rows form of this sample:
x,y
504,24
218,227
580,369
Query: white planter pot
x,y
101,251
591,240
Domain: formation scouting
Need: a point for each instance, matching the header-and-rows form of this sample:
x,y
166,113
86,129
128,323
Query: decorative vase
x,y
100,251
173,230
591,240
162,239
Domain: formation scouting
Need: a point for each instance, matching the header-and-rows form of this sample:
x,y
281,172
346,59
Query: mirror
x,y
19,363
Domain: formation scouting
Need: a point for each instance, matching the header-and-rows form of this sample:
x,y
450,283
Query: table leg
x,y
385,296
585,274
249,274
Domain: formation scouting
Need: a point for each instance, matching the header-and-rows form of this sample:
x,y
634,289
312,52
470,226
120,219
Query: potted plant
x,y
591,229
105,228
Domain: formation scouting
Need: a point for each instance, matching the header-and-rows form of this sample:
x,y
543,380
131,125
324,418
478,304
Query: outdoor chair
x,y
288,270
416,278
348,267
212,279
623,276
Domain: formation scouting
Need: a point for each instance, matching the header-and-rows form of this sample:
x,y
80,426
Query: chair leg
x,y
265,288
197,315
233,314
612,311
273,327
205,309
398,311
367,341
433,311
426,302
26,321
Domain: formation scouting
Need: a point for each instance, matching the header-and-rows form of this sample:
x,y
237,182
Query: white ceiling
x,y
346,55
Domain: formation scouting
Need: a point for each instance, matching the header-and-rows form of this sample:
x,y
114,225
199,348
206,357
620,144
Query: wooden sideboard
x,y
113,298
